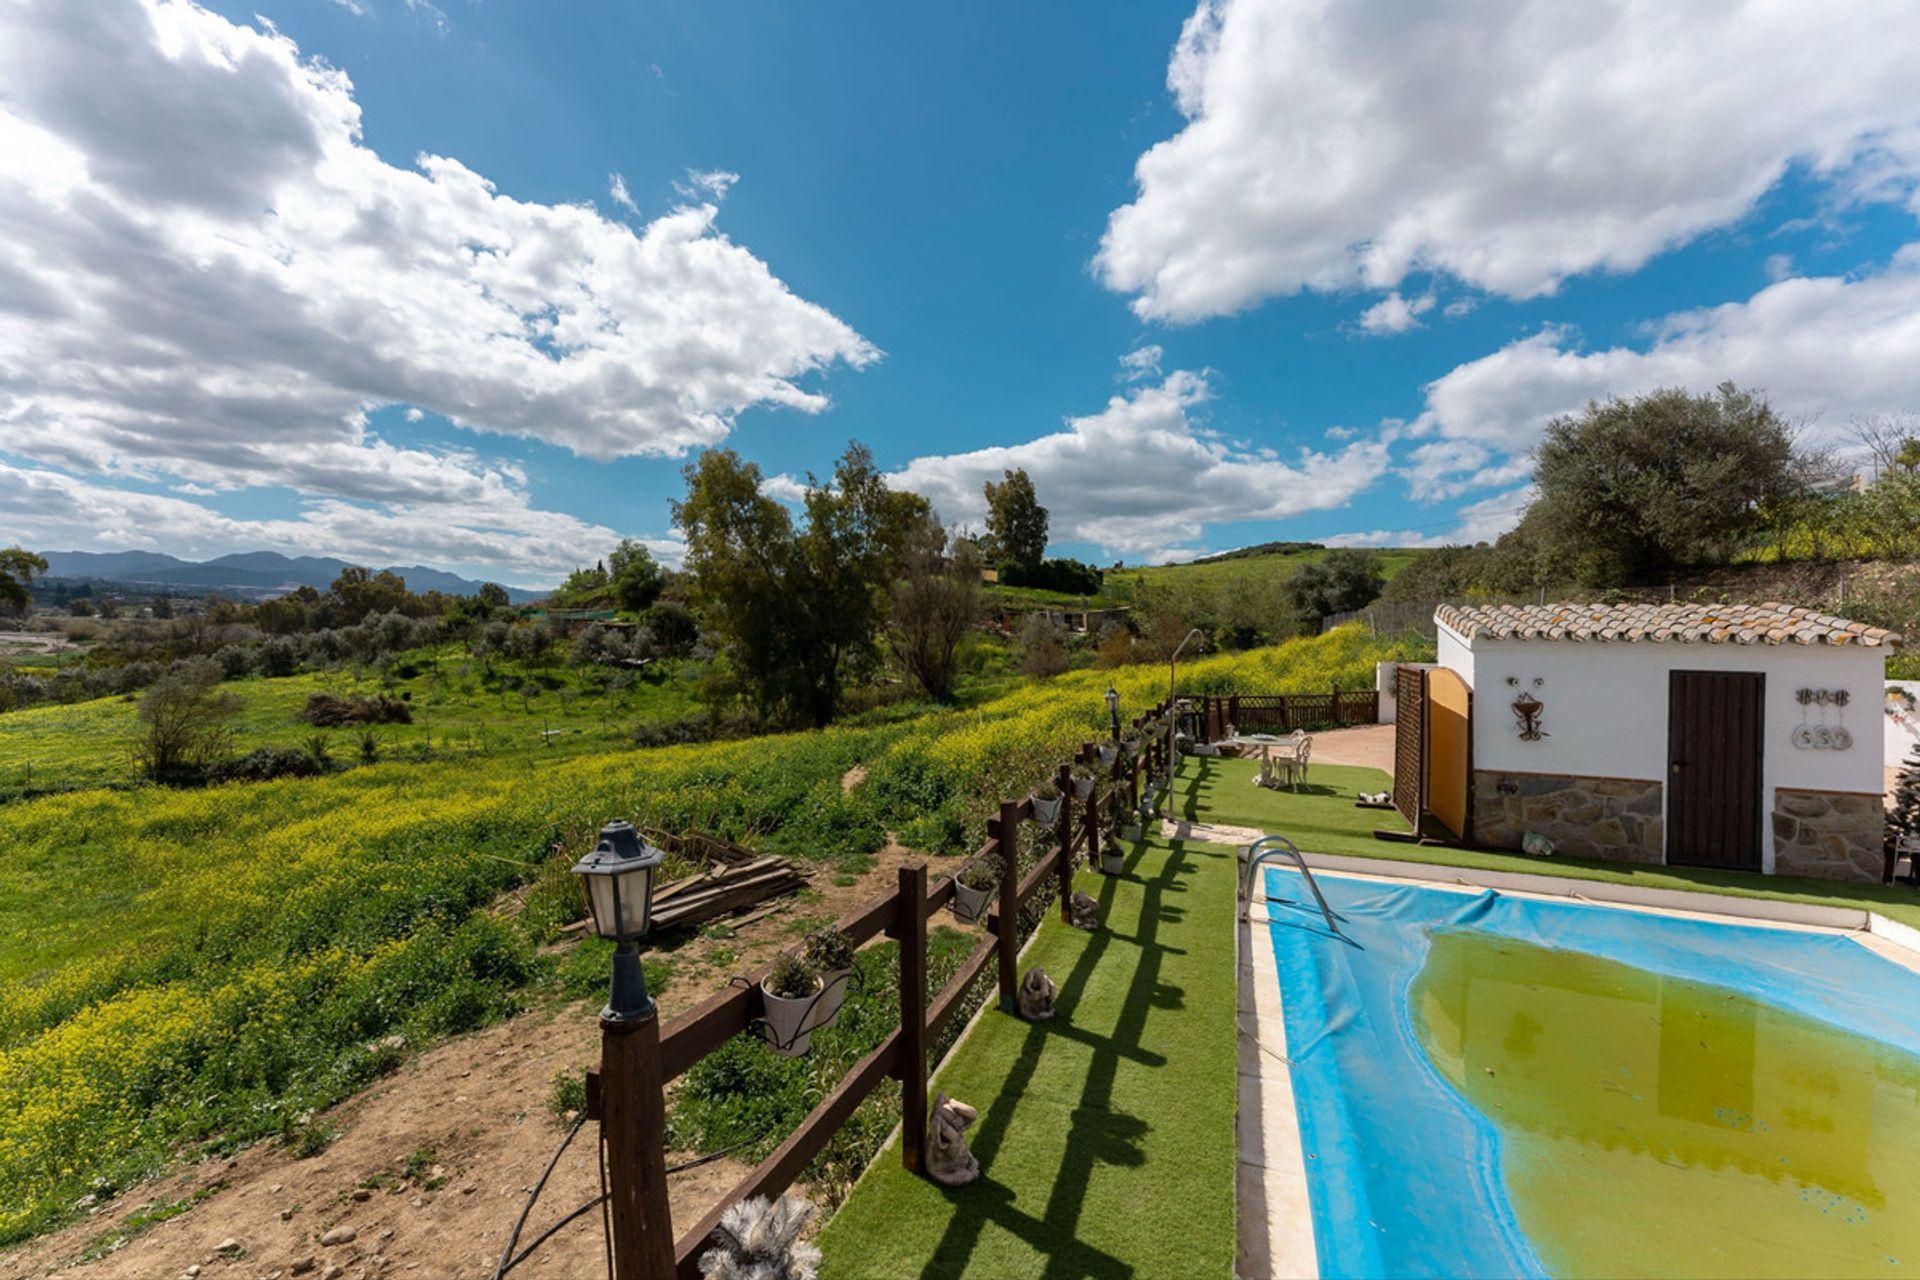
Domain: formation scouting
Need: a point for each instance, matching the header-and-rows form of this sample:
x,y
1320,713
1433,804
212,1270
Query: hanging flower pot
x,y
790,995
973,888
1109,752
1046,809
831,955
1082,788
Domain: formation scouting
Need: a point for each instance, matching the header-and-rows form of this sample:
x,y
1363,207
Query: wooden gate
x,y
1714,751
1409,742
1433,751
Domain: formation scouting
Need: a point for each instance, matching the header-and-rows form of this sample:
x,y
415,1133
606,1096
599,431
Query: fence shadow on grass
x,y
1097,1133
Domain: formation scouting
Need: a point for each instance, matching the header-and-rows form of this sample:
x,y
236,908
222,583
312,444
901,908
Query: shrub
x,y
983,873
329,712
264,764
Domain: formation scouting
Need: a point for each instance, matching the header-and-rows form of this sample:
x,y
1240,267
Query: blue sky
x,y
1362,261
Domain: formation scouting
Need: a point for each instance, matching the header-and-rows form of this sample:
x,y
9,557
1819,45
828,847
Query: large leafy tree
x,y
799,607
18,568
935,602
636,578
1016,522
1342,580
1632,489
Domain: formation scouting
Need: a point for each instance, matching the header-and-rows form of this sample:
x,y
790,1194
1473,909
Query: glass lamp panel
x,y
606,913
636,900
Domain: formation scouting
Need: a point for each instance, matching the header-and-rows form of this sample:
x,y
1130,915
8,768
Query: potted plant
x,y
1120,824
1113,859
1082,782
830,954
1109,752
973,888
790,992
1046,803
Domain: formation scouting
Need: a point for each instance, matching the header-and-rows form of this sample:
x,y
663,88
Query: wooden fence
x,y
1285,712
903,916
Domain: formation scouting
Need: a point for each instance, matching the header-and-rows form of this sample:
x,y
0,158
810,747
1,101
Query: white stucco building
x,y
1739,736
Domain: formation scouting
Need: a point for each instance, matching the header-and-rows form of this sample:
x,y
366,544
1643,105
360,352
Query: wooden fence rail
x,y
1285,712
902,915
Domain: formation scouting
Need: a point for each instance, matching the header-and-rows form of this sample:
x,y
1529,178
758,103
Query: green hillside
x,y
1218,571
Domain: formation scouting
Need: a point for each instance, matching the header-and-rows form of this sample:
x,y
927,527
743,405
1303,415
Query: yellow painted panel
x,y
1447,710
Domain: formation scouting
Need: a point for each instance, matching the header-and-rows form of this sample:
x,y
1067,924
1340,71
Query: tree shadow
x,y
1098,1134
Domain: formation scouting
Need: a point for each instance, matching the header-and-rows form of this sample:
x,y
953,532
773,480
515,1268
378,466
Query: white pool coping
x,y
1275,1215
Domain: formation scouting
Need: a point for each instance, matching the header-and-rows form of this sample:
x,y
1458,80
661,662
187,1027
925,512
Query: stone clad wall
x,y
1614,818
1833,835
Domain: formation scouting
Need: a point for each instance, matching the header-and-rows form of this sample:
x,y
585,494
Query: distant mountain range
x,y
253,575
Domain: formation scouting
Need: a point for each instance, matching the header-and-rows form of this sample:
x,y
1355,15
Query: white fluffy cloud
x,y
525,547
207,277
1395,314
1508,143
1822,349
1481,521
1140,478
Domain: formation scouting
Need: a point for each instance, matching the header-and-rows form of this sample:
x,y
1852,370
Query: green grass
x,y
1223,573
459,709
1106,1136
1321,818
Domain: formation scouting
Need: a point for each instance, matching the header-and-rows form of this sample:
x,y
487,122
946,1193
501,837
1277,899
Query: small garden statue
x,y
760,1241
1036,995
948,1161
1083,911
1535,845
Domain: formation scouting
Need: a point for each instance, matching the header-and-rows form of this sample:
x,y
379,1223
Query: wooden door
x,y
1715,746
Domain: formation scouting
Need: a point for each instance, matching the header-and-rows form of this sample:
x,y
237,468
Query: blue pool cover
x,y
1403,1172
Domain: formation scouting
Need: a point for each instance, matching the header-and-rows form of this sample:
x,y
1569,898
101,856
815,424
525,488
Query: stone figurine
x,y
1536,845
758,1240
948,1161
1036,995
1083,911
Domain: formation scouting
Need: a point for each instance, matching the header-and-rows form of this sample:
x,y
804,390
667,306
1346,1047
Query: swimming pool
x,y
1489,1085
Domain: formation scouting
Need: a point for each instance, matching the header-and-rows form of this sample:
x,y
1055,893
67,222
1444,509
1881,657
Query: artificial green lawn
x,y
1321,818
1106,1136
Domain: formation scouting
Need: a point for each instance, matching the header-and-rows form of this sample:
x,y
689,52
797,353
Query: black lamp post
x,y
618,879
1113,710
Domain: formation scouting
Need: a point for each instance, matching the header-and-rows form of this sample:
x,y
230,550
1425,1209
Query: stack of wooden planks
x,y
723,888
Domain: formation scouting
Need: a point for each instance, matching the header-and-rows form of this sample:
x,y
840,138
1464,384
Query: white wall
x,y
1606,709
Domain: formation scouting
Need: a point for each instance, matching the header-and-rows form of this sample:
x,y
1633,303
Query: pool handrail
x,y
1271,846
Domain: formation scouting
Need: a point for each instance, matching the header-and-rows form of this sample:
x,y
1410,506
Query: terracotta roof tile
x,y
1662,623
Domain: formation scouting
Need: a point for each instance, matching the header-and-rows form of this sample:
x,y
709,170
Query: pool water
x,y
1655,1125
1493,1086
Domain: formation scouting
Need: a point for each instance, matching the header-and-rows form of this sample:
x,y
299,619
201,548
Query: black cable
x,y
513,1237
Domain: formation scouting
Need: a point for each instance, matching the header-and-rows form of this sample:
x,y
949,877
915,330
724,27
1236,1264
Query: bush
x,y
1070,577
264,764
329,712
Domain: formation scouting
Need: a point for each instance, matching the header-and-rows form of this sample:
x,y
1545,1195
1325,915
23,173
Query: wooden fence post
x,y
1063,838
1091,819
633,1122
911,923
1008,835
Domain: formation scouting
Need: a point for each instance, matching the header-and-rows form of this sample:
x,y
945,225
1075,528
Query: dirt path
x,y
473,1115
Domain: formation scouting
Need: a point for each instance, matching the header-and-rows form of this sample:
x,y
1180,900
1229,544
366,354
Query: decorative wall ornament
x,y
948,1161
1036,995
1822,736
1527,710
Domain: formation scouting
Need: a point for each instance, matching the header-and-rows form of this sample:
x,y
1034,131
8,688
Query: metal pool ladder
x,y
1280,847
